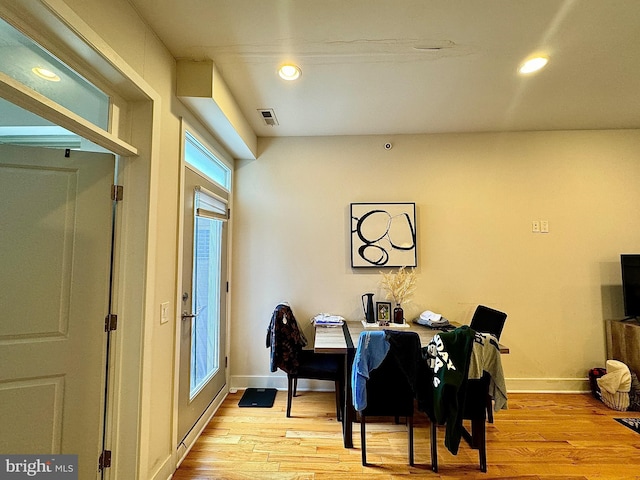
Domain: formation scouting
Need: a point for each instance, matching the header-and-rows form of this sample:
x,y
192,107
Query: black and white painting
x,y
383,235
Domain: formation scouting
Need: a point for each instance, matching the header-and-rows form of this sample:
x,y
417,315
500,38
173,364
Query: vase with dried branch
x,y
399,287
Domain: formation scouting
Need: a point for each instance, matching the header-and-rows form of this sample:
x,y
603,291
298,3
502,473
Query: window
x,y
204,161
27,62
210,213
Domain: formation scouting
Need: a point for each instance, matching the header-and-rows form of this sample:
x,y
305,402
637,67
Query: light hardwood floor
x,y
540,436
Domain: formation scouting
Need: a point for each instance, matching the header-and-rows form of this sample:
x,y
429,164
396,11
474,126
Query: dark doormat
x,y
258,397
632,423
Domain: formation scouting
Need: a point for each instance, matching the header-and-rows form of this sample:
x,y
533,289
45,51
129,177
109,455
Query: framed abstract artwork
x,y
383,235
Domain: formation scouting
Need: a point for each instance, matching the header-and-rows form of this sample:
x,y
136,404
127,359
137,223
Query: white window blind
x,y
210,205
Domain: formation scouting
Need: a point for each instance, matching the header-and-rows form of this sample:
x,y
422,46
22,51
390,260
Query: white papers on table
x,y
327,320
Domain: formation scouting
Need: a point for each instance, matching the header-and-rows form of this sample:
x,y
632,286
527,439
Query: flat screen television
x,y
630,266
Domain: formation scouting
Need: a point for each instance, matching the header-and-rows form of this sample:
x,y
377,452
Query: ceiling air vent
x,y
268,116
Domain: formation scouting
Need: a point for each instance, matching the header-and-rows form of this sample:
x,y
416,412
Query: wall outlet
x,y
164,312
535,226
544,226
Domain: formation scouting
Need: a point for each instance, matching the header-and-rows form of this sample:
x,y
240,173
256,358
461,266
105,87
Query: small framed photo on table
x,y
383,313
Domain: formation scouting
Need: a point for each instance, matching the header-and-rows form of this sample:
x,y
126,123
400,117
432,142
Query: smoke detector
x,y
268,116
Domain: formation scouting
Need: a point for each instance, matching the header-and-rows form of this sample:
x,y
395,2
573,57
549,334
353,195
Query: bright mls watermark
x,y
49,467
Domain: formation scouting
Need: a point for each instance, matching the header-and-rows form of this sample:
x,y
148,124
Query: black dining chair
x,y
455,397
488,320
474,410
317,366
392,386
287,342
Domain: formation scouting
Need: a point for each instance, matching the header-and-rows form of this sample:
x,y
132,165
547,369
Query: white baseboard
x,y
278,381
547,385
514,385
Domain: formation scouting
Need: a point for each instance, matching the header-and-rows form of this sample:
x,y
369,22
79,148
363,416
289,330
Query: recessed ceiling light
x,y
289,71
46,74
533,65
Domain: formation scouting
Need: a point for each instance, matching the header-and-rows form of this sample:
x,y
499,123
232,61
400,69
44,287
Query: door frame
x,y
183,446
55,26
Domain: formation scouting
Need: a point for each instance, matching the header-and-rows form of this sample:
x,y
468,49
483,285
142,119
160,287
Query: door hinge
x,y
226,362
105,460
227,287
110,322
117,192
228,214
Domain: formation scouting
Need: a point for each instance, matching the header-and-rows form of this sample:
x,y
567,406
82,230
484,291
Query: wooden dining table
x,y
344,340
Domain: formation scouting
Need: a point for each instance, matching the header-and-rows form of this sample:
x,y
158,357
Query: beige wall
x,y
476,196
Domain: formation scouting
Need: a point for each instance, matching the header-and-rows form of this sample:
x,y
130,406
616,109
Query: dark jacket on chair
x,y
448,356
285,339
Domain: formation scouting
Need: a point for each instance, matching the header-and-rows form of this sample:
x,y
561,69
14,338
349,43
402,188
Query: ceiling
x,y
415,66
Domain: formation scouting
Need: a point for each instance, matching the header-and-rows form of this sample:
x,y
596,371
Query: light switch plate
x,y
164,312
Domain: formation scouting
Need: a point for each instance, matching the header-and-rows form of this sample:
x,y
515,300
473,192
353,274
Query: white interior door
x,y
55,244
202,331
